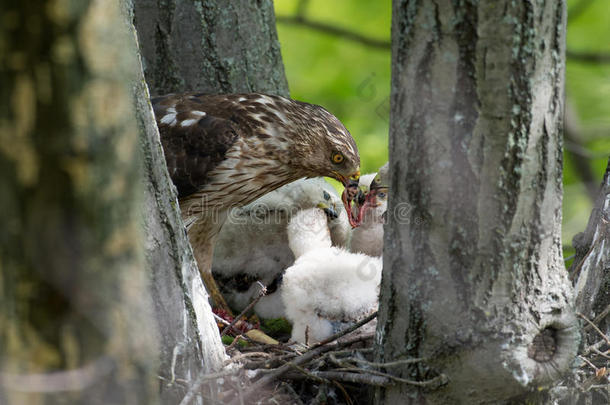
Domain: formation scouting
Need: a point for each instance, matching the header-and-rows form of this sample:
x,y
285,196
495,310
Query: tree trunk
x,y
75,323
473,278
213,46
189,340
591,266
210,46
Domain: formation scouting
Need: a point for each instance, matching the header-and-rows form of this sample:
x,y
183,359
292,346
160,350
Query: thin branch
x,y
336,31
593,347
369,378
307,356
221,320
245,355
345,331
599,317
593,366
344,392
355,378
600,353
439,380
261,294
235,341
577,148
300,19
385,365
602,334
588,57
309,374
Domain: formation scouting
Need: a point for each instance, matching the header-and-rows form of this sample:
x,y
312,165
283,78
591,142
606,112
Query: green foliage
x,y
352,80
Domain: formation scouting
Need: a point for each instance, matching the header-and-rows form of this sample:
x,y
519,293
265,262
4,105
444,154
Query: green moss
x,y
276,326
227,340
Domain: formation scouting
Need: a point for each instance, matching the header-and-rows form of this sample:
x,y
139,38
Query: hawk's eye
x,y
337,157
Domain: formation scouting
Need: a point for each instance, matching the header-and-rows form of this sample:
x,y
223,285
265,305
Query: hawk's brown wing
x,y
195,140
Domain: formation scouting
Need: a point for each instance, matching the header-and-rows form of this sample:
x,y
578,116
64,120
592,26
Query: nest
x,y
341,370
337,370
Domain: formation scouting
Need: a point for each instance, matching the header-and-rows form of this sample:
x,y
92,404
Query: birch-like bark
x,y
473,278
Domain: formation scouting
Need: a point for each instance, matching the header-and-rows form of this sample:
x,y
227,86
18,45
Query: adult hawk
x,y
227,150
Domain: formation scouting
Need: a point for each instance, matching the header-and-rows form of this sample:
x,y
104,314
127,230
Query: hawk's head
x,y
318,143
321,144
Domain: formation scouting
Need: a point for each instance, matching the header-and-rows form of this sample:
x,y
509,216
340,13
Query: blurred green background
x,y
352,80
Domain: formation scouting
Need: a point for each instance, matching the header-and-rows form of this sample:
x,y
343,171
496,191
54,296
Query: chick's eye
x,y
337,157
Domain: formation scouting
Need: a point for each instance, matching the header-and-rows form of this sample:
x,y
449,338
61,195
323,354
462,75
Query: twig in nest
x,y
308,374
385,365
345,331
441,379
600,353
593,347
602,334
348,399
245,355
219,319
355,378
588,362
307,356
261,294
295,397
599,317
234,342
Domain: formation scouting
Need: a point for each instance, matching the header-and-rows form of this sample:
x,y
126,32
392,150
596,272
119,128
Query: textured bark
x,y
75,319
214,46
209,46
190,343
591,266
473,269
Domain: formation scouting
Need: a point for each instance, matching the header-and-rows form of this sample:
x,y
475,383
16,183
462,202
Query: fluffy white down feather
x,y
326,286
253,240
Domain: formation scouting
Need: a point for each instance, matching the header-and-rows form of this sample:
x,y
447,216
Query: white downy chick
x,y
253,245
327,287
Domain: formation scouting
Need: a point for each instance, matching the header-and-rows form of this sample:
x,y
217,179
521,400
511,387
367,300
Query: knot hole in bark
x,y
544,345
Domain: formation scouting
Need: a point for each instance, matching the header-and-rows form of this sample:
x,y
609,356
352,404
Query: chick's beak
x,y
330,212
350,192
